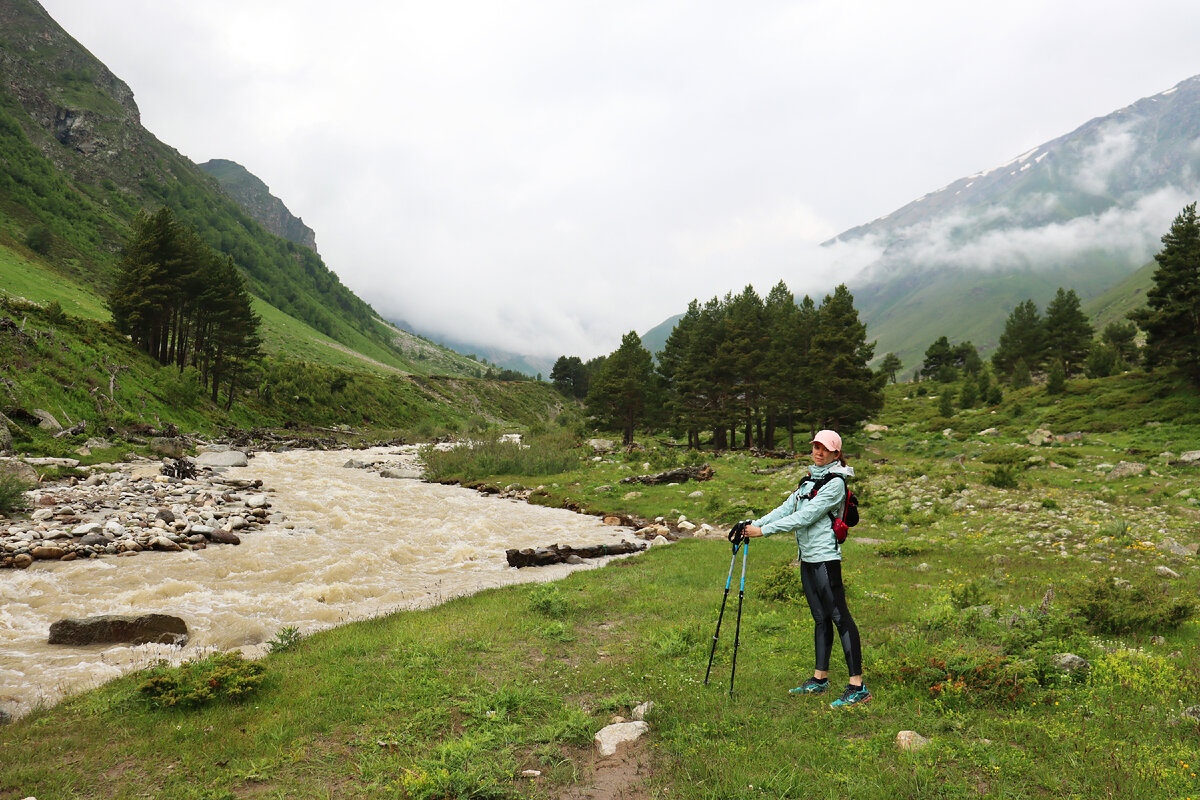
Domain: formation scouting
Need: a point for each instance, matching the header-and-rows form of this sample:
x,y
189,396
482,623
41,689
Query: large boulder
x,y
229,458
169,446
24,472
1126,469
6,440
113,628
46,420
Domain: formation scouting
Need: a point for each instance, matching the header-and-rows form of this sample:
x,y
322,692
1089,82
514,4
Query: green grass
x,y
24,279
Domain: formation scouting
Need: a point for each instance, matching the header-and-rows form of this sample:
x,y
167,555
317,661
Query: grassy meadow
x,y
980,558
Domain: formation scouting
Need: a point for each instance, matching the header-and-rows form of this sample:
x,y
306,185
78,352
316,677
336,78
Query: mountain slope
x,y
79,167
1082,211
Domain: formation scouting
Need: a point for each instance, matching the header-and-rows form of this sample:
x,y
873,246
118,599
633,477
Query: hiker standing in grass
x,y
809,512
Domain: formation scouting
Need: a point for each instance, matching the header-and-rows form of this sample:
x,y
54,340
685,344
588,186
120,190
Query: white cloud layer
x,y
545,176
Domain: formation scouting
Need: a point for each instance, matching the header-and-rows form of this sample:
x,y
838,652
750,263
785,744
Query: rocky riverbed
x,y
124,509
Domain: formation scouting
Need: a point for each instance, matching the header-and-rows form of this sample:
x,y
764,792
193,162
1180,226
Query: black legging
x,y
827,601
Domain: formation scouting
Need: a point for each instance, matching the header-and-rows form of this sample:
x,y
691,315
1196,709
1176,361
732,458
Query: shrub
x,y
957,676
1117,606
548,455
893,549
546,599
220,676
286,638
468,767
781,584
967,594
1003,477
12,495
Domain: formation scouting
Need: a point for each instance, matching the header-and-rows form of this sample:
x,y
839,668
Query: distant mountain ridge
x,y
255,196
1083,211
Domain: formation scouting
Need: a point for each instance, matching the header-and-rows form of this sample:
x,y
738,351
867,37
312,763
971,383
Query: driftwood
x,y
681,475
74,430
557,554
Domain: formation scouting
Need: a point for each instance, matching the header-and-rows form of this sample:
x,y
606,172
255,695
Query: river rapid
x,y
355,545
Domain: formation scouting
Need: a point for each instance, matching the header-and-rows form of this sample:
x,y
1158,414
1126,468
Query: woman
x,y
808,511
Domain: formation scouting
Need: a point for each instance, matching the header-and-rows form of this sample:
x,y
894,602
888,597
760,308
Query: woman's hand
x,y
752,532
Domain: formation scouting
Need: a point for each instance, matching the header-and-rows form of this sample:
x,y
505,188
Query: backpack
x,y
849,518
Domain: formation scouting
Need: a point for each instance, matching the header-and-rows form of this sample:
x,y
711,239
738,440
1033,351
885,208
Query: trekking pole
x,y
737,634
720,616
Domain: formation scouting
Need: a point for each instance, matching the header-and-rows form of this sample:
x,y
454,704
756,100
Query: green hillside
x,y
79,167
1126,296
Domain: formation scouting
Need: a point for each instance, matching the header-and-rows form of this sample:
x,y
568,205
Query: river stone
x,y
93,539
47,553
404,474
165,544
229,458
610,737
222,536
22,560
111,628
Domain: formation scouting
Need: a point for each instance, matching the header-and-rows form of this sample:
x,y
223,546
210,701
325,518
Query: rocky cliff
x,y
248,191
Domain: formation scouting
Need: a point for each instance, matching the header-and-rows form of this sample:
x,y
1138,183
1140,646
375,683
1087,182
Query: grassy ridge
x,y
958,627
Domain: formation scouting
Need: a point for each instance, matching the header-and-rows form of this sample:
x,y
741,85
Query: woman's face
x,y
821,456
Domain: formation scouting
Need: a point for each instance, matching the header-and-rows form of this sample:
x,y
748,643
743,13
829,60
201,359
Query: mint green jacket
x,y
809,519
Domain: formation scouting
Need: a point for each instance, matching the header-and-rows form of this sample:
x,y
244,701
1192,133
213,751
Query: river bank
x,y
332,542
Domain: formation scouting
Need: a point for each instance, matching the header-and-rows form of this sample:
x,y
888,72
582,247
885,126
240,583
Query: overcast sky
x,y
549,175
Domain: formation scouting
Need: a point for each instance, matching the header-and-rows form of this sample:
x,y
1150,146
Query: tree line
x,y
738,369
1062,343
185,305
743,366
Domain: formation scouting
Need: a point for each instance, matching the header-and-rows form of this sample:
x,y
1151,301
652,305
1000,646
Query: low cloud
x,y
1131,233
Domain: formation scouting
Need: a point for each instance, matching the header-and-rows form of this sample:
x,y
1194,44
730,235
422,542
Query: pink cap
x,y
829,440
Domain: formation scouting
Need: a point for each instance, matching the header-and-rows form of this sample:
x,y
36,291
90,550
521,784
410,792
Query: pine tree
x,y
1068,334
624,391
939,361
890,365
786,351
743,351
569,376
1023,340
1171,319
845,389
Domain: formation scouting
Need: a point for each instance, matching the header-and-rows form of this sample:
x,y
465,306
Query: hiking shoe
x,y
854,695
811,686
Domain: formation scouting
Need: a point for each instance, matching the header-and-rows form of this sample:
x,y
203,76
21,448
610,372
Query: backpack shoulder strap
x,y
819,482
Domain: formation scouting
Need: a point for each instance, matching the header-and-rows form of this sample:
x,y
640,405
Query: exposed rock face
x,y
255,197
95,116
146,629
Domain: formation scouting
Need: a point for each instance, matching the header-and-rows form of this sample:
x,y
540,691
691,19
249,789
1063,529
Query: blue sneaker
x,y
811,686
854,695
